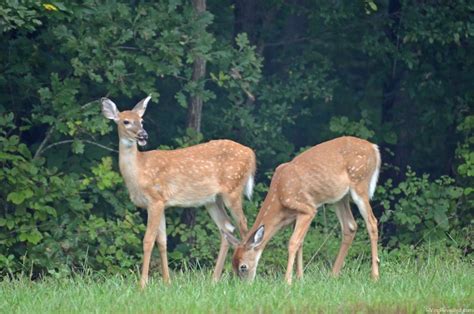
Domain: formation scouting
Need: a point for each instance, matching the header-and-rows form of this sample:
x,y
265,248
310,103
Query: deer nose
x,y
143,134
243,268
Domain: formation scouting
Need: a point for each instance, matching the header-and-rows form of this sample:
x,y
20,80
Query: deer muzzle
x,y
142,137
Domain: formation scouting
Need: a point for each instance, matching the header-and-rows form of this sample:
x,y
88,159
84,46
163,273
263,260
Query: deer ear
x,y
231,238
140,108
109,109
258,236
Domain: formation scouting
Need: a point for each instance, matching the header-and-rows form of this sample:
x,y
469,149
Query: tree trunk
x,y
195,111
195,105
199,71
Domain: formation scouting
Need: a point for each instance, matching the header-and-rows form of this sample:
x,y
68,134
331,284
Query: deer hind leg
x,y
155,214
348,228
222,220
303,221
299,262
360,196
161,242
233,201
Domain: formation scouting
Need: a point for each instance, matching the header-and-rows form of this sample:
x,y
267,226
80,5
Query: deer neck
x,y
128,160
271,216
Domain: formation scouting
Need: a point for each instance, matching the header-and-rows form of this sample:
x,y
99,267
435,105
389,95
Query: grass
x,y
406,287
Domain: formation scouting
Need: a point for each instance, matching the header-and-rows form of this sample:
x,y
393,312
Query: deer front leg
x,y
155,213
303,222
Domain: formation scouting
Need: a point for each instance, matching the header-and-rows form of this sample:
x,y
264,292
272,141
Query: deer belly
x,y
190,200
191,196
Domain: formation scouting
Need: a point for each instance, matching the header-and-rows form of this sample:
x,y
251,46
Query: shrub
x,y
419,209
52,221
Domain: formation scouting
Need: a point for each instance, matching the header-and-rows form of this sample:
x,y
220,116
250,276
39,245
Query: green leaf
x,y
78,147
34,237
181,99
173,4
391,137
23,149
441,219
19,197
372,5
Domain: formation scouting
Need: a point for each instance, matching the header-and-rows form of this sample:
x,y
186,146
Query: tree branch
x,y
49,133
101,146
85,141
40,149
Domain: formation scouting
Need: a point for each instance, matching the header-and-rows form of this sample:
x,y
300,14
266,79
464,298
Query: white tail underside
x,y
375,175
249,187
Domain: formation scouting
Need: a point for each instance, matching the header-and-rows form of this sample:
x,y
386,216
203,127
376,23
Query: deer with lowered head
x,y
213,174
329,173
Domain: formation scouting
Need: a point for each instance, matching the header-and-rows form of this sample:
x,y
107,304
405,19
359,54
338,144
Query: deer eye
x,y
126,122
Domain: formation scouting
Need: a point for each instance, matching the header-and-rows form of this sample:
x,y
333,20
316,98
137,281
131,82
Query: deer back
x,y
194,175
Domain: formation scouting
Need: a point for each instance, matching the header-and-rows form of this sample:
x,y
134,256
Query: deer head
x,y
247,253
129,122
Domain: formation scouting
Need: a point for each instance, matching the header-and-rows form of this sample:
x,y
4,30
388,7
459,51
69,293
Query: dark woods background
x,y
277,76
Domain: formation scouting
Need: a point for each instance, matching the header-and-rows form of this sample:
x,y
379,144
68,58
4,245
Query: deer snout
x,y
142,137
142,134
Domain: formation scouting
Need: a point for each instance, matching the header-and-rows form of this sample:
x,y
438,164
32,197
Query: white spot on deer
x,y
351,226
229,227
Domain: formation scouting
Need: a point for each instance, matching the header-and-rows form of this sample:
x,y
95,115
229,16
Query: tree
x,y
277,76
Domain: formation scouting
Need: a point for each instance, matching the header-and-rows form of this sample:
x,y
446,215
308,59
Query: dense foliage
x,y
281,76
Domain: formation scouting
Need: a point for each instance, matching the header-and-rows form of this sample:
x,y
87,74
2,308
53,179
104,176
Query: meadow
x,y
410,286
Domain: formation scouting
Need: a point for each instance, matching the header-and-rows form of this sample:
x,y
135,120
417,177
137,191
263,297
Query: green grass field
x,y
407,287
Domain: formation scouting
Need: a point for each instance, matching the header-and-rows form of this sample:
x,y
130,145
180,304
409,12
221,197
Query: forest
x,y
278,76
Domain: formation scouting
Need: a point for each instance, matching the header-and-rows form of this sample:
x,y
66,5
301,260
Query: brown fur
x,y
212,174
326,173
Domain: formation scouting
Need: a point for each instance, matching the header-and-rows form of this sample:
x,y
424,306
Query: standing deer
x,y
326,173
213,174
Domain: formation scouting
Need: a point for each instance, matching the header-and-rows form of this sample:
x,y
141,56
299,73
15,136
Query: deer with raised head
x,y
213,174
330,172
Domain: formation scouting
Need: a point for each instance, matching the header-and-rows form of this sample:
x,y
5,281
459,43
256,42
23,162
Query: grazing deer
x,y
213,174
326,173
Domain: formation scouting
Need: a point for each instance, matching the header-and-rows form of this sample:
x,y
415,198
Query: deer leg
x,y
361,198
348,228
222,220
303,221
155,212
233,201
299,262
161,242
